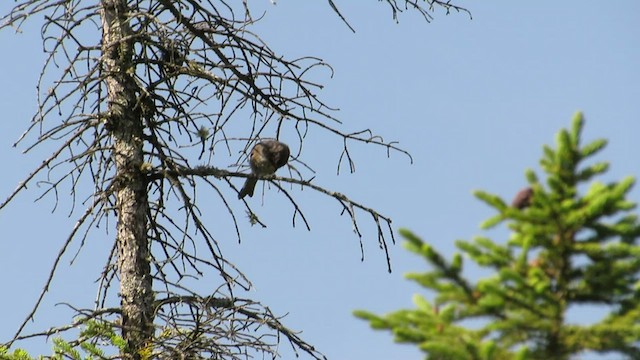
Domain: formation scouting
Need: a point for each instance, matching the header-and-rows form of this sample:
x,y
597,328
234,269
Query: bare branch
x,y
200,87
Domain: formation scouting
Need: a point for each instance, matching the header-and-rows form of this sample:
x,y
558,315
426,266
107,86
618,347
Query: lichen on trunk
x,y
126,124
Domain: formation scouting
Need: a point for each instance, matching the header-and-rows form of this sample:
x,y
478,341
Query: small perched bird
x,y
266,157
523,198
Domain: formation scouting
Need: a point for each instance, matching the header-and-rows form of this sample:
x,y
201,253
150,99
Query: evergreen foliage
x,y
573,245
96,338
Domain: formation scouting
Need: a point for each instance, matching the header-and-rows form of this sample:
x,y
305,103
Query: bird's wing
x,y
277,153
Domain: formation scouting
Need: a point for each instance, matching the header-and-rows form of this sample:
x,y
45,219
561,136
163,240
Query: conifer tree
x,y
576,243
145,107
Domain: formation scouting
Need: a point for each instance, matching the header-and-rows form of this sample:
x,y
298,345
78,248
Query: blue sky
x,y
473,101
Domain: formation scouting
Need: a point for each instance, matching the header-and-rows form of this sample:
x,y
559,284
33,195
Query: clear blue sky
x,y
472,100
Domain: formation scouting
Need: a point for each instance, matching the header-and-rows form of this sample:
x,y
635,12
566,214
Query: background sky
x,y
473,101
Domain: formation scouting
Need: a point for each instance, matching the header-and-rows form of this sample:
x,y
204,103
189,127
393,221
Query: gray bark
x,y
126,125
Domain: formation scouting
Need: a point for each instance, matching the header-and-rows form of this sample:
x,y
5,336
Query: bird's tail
x,y
248,188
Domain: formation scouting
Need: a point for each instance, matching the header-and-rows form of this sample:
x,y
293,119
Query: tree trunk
x,y
126,125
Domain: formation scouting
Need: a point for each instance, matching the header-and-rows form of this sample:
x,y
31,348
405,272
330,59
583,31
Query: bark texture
x,y
126,124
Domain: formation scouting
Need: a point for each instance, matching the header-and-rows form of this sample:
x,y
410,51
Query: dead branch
x,y
206,88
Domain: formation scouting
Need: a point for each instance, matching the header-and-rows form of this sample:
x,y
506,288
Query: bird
x,y
523,198
266,157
